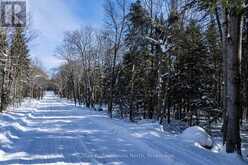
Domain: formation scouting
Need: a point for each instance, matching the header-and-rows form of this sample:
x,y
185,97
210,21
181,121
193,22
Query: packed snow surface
x,y
54,132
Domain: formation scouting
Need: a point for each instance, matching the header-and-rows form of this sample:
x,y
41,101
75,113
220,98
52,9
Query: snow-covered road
x,y
53,131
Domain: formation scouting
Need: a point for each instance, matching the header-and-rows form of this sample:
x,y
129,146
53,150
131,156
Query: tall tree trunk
x,y
110,101
233,40
131,110
158,85
73,88
3,93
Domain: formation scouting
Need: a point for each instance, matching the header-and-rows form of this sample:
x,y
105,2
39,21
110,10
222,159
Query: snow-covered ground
x,y
53,131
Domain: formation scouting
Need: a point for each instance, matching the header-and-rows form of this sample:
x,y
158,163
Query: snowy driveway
x,y
53,131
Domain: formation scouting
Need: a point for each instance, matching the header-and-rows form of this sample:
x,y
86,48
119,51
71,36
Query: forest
x,y
20,76
163,60
182,63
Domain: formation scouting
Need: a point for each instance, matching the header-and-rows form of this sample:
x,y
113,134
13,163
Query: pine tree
x,y
4,66
136,60
194,71
20,64
214,49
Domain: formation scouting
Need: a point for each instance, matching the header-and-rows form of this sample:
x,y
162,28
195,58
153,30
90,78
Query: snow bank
x,y
197,135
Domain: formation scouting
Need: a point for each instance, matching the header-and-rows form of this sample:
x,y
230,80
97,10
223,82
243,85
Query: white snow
x,y
4,139
55,132
197,135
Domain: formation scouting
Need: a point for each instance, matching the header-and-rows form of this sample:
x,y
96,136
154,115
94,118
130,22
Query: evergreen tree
x,y
136,61
20,63
4,66
194,71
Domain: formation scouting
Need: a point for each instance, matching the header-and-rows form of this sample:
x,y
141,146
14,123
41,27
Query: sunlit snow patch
x,y
4,139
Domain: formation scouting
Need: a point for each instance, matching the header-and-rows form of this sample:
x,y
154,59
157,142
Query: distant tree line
x,y
165,60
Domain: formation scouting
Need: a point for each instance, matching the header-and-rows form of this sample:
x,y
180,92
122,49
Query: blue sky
x,y
51,18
